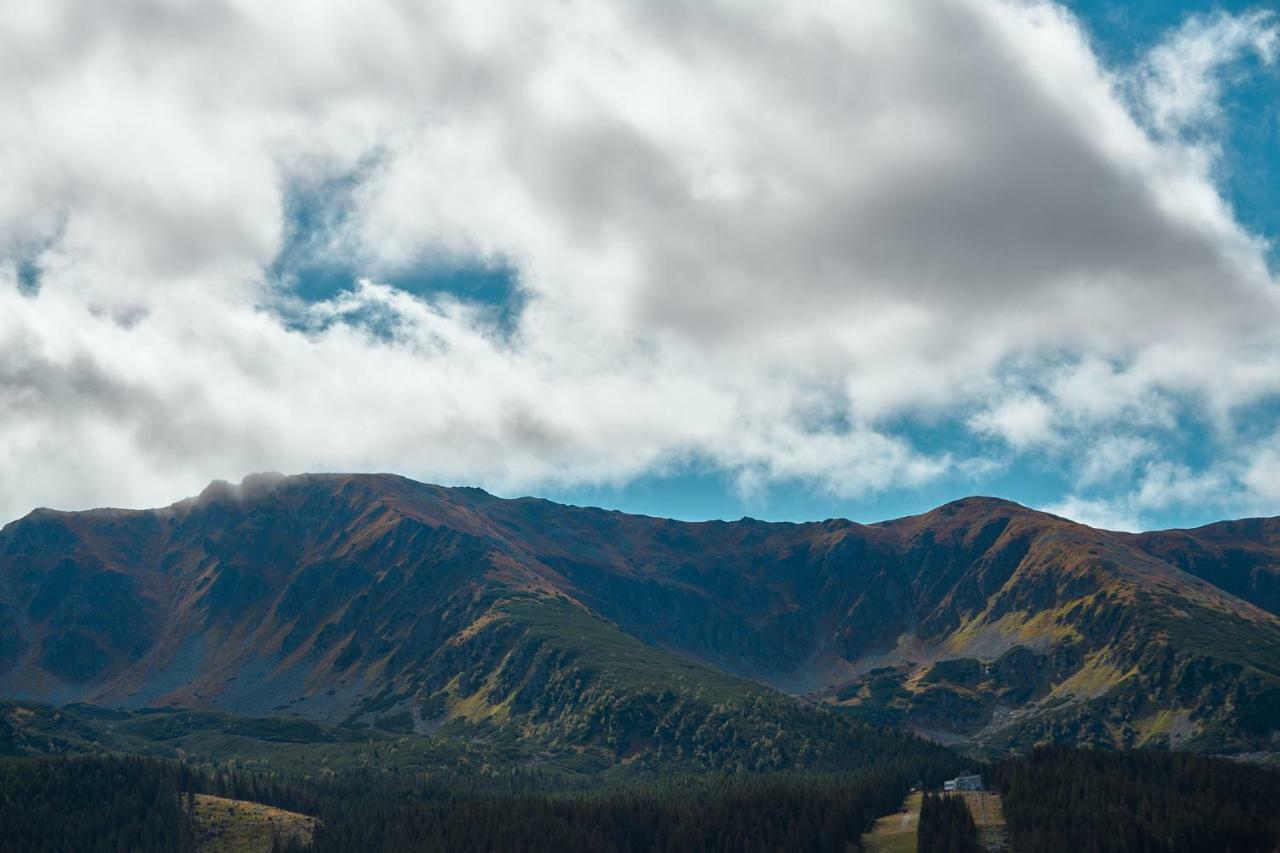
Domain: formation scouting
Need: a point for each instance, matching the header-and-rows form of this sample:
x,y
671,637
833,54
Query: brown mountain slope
x,y
1241,557
340,596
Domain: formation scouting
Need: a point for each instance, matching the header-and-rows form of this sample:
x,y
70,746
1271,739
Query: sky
x,y
792,261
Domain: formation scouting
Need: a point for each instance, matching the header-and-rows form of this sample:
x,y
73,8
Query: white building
x,y
964,782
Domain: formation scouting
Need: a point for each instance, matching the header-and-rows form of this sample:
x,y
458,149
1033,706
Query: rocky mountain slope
x,y
367,598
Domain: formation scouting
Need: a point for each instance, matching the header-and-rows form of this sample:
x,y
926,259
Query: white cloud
x,y
1100,513
1167,484
1261,477
1111,458
764,237
1180,83
1229,486
1023,421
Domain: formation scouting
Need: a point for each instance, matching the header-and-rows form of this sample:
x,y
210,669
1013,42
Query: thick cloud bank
x,y
774,239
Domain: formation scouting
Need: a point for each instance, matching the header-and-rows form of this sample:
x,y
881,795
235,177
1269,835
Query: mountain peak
x,y
251,487
970,510
981,503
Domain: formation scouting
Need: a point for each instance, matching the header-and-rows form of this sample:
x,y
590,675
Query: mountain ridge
x,y
980,622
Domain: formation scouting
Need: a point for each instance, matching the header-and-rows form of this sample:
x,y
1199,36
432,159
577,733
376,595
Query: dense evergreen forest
x,y
765,814
946,826
1079,801
104,803
1054,800
93,804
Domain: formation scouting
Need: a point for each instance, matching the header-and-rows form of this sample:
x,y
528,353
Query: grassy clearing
x,y
989,817
240,826
896,833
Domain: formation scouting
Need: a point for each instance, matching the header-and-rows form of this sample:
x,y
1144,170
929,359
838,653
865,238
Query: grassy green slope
x,y
548,675
537,683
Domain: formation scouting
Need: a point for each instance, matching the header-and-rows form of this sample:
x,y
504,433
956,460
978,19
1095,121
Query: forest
x,y
785,812
946,826
93,804
107,803
1054,800
1059,800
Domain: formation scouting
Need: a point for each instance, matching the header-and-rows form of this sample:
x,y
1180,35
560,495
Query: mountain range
x,y
374,600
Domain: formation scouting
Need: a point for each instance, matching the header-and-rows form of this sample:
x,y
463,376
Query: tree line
x,y
1055,801
139,805
93,804
805,812
946,826
1059,800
